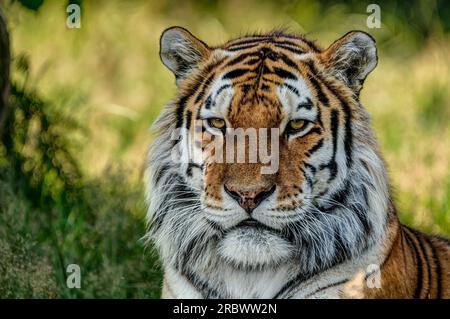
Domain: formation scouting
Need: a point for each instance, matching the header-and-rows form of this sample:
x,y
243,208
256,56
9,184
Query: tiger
x,y
322,223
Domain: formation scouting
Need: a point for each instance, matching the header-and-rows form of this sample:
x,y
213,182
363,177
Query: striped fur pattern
x,y
328,216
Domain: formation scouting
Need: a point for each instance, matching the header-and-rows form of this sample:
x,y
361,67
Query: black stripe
x,y
271,81
326,287
287,61
308,180
223,87
437,269
208,102
285,42
348,139
156,222
365,196
347,113
192,251
180,108
291,284
205,86
284,74
292,89
182,102
235,73
188,119
332,165
305,105
323,99
253,61
413,247
160,172
311,44
246,88
189,169
240,58
314,80
341,195
247,41
205,80
348,118
422,248
316,130
189,253
316,146
291,49
242,47
202,286
311,167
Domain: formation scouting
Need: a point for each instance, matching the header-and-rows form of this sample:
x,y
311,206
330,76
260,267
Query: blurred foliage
x,y
31,4
36,4
51,216
82,100
39,147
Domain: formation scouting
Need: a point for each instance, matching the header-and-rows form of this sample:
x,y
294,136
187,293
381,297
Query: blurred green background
x,y
71,187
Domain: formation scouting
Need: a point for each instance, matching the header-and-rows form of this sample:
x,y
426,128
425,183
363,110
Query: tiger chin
x,y
321,222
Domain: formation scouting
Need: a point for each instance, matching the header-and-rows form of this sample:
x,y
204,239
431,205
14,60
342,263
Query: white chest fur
x,y
333,283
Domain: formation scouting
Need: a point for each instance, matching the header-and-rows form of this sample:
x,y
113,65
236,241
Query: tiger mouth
x,y
250,222
253,223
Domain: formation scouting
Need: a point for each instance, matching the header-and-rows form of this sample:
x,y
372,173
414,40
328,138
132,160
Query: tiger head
x,y
288,166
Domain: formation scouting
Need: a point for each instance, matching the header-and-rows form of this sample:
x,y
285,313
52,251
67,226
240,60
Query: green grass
x,y
101,234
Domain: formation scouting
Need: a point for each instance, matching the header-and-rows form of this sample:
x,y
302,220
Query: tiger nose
x,y
249,200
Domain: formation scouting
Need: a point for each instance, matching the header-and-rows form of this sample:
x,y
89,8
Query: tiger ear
x,y
352,58
181,52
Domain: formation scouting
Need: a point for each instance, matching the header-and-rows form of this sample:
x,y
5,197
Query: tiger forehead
x,y
256,53
254,77
250,54
277,38
251,72
257,68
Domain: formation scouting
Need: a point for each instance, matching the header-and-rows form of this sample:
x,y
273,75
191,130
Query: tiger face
x,y
292,111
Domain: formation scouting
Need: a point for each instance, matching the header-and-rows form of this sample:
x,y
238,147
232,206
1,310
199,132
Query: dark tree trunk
x,y
4,76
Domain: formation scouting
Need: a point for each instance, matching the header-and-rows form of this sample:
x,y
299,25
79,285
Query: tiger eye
x,y
217,123
297,124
